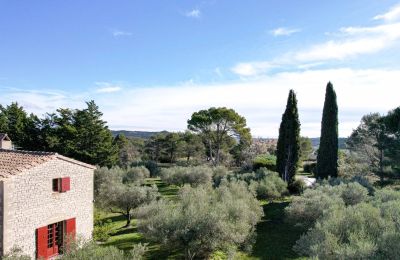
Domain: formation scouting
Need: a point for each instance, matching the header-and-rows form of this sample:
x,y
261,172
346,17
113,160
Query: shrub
x,y
95,252
16,254
265,161
353,193
310,167
305,210
152,166
101,231
136,175
297,187
270,187
187,175
203,219
219,173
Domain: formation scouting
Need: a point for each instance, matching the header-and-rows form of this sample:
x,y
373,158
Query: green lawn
x,y
275,238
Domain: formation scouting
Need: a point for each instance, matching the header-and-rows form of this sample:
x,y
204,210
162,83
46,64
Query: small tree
x,y
121,198
289,141
327,159
202,220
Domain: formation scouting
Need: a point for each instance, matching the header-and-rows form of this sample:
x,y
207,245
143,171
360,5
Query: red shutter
x,y
65,184
70,231
41,242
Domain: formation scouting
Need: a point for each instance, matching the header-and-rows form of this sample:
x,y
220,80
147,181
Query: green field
x,y
275,238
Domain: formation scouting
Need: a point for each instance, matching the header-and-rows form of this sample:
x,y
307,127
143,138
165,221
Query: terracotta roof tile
x,y
14,162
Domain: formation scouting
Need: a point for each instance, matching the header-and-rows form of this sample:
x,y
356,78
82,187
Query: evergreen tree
x,y
327,160
288,148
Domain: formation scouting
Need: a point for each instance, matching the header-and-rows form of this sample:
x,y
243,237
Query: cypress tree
x,y
327,159
288,148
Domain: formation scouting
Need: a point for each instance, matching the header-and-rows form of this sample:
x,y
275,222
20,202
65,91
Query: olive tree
x,y
203,219
187,175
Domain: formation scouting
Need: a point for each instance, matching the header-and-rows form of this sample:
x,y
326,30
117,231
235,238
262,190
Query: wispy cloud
x,y
247,69
194,13
392,15
120,33
347,42
107,87
283,31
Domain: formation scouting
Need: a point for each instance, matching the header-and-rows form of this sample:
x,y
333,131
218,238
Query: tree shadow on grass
x,y
275,237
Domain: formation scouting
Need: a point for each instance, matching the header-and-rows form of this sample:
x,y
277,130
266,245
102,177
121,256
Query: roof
x,y
15,162
4,136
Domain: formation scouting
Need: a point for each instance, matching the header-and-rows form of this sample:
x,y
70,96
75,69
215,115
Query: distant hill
x,y
137,134
342,142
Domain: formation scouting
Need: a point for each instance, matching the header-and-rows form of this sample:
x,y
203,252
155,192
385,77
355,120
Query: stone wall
x,y
30,203
1,218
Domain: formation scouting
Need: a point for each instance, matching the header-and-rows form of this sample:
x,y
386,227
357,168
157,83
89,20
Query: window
x,y
61,184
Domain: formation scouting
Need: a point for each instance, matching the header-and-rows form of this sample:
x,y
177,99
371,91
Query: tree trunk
x,y
381,165
128,217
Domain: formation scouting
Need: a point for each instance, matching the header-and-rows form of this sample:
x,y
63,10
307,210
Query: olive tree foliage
x,y
93,251
216,125
344,222
203,219
120,191
270,187
305,210
193,176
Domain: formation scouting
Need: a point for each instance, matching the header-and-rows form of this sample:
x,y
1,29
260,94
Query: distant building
x,y
45,200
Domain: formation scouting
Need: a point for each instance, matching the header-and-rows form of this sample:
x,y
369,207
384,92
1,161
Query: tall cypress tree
x,y
288,148
327,159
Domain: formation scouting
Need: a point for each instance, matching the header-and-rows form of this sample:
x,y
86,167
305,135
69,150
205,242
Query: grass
x,y
275,238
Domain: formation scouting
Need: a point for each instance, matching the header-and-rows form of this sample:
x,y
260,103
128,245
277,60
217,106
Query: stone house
x,y
45,200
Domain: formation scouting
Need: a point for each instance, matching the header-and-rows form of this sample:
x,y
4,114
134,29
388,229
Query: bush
x,y
297,187
152,166
265,161
310,167
219,173
16,254
136,175
367,228
101,231
203,219
270,187
96,252
305,210
187,175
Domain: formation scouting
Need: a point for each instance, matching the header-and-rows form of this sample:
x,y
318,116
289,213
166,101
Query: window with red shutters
x,y
65,184
41,242
70,232
62,184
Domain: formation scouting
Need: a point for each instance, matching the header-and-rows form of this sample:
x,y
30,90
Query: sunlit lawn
x,y
275,238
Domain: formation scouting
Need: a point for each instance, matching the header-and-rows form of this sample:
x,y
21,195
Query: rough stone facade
x,y
30,203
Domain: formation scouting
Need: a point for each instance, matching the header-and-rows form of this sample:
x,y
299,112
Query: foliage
x,y
152,166
310,167
192,146
288,148
129,149
327,158
194,176
270,187
297,187
265,161
203,219
219,173
217,126
306,148
101,232
16,254
117,197
136,175
376,142
95,252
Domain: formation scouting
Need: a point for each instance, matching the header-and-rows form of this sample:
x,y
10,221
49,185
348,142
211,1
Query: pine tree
x,y
327,159
288,149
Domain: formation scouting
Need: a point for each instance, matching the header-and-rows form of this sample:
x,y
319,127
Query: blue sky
x,y
150,64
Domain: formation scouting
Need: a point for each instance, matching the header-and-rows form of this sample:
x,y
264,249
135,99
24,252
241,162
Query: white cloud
x,y
261,101
247,69
283,31
195,13
120,33
107,87
392,15
348,42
